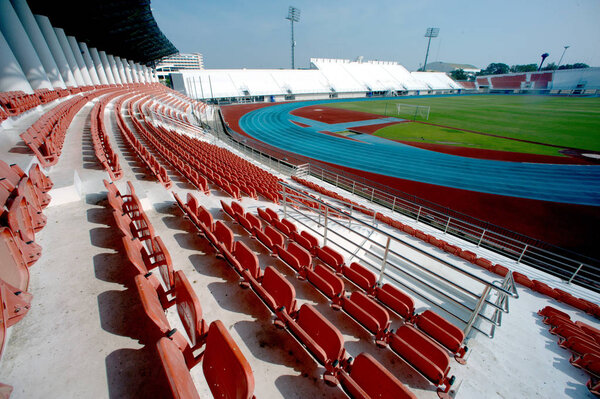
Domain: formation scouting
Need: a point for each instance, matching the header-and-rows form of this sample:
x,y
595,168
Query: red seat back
x,y
275,236
237,208
188,308
375,380
226,370
20,221
224,235
441,330
178,374
151,303
206,218
254,221
396,300
280,289
274,216
303,256
291,226
264,215
192,204
247,259
321,330
13,269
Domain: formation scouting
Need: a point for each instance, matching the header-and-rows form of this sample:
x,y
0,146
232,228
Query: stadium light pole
x,y
293,16
561,57
544,56
430,33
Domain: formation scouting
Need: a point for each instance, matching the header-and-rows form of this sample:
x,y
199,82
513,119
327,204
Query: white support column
x,y
121,70
134,74
56,50
12,77
97,79
39,43
115,69
141,77
147,74
127,69
66,48
103,62
21,46
79,60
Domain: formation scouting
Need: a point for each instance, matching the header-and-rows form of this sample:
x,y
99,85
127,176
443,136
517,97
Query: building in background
x,y
180,61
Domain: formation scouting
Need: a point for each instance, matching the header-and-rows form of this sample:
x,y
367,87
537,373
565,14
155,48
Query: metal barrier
x,y
476,302
571,270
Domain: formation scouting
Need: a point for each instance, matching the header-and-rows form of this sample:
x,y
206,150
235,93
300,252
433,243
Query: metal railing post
x,y
384,261
325,232
284,203
419,213
337,178
477,309
393,204
522,253
574,274
372,193
481,239
447,224
353,185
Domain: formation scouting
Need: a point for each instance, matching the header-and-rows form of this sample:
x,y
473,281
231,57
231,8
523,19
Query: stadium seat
x,y
296,257
307,241
188,309
500,270
224,237
369,314
228,210
265,215
369,379
551,311
145,260
270,238
248,262
485,263
522,279
361,277
320,338
468,255
277,293
331,258
423,355
225,369
545,289
396,300
444,332
14,276
19,220
328,283
589,362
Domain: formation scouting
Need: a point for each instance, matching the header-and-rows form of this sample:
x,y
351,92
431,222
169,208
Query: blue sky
x,y
255,34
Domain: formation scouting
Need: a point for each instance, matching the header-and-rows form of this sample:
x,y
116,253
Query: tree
x,y
458,74
495,68
524,68
577,65
550,67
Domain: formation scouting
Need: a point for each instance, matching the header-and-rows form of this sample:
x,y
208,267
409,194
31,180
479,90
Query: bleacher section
x,y
564,81
337,78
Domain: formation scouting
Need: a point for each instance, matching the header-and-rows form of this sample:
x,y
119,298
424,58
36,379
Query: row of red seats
x,y
47,135
581,339
508,82
555,293
140,149
165,149
361,306
225,369
230,172
558,294
100,140
22,199
363,377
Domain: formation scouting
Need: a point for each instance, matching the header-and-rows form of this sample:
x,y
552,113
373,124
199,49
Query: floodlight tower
x,y
561,57
293,16
544,56
430,32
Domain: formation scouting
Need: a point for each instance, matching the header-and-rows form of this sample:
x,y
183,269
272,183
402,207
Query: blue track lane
x,y
574,184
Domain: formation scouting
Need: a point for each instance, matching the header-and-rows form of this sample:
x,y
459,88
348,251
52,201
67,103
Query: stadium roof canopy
x,y
124,28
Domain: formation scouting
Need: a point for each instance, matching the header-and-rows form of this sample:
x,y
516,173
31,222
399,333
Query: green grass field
x,y
572,122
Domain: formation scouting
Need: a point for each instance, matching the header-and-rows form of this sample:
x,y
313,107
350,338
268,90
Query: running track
x,y
571,184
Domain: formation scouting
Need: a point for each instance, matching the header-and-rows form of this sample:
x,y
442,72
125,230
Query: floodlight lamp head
x,y
293,14
432,32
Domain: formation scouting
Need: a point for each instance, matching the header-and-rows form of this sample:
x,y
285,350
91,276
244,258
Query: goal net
x,y
412,112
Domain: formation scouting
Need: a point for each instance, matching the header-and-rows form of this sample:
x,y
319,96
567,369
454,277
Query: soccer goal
x,y
413,112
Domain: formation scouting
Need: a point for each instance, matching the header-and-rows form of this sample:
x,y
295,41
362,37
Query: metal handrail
x,y
292,206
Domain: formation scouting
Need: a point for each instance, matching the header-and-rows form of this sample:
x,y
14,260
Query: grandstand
x,y
327,78
565,81
145,253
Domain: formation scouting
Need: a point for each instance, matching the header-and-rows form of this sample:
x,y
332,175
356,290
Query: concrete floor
x,y
86,334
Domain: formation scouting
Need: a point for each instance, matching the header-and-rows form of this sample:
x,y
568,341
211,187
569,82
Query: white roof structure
x,y
327,76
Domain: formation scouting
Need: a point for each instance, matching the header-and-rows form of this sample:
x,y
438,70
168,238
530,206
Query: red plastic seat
x,y
225,368
589,362
265,215
14,277
580,345
147,260
396,300
291,226
423,355
228,210
21,223
188,309
442,331
328,283
269,237
296,257
277,293
331,258
522,279
369,379
550,311
468,255
485,263
361,277
369,314
274,216
237,208
224,236
545,289
248,262
500,270
320,338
